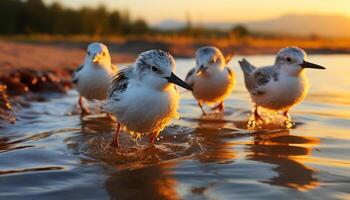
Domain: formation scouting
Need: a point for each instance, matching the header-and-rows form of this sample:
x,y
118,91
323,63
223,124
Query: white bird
x,y
280,86
93,77
143,97
211,79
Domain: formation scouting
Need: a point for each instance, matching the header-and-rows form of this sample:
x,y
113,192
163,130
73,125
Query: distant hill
x,y
170,24
323,25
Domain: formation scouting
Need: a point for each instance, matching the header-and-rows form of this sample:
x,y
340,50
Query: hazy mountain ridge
x,y
292,24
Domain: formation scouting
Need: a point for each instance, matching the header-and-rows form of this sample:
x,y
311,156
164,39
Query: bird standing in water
x,y
93,77
143,96
211,79
280,86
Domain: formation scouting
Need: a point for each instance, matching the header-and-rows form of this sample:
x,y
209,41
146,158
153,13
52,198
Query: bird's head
x,y
98,54
156,69
292,60
208,60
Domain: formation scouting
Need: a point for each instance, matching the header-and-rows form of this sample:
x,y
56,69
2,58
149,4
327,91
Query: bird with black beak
x,y
280,86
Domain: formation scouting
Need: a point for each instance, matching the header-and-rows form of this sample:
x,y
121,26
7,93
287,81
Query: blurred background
x,y
180,27
47,151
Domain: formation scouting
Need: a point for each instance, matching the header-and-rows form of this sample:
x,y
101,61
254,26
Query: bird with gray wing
x,y
280,86
211,79
93,77
143,96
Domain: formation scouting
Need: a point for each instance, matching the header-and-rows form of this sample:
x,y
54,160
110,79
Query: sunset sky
x,y
201,11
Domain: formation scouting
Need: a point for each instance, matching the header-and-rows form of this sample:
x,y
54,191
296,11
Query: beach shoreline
x,y
50,53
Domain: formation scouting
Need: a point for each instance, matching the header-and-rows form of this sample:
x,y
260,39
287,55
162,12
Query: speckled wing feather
x,y
119,83
261,77
74,75
256,78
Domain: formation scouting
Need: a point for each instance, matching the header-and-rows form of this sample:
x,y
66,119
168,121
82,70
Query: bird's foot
x,y
288,123
255,121
254,124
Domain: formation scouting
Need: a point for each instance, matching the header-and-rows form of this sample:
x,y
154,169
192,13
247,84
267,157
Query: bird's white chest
x,y
145,110
282,94
94,82
213,88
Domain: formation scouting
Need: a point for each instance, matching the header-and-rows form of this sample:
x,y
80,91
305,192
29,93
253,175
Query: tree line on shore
x,y
35,17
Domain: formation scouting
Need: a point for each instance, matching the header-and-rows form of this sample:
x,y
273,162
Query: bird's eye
x,y
288,59
212,61
103,54
155,69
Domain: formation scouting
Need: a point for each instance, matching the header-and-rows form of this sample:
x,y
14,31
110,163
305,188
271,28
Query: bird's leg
x,y
115,142
200,104
256,114
84,110
219,107
153,137
255,120
288,122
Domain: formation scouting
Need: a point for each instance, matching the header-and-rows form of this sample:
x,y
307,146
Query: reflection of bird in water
x,y
287,153
153,182
213,121
280,86
143,96
211,79
93,77
211,135
97,123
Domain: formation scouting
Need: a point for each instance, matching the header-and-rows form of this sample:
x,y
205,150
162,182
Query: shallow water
x,y
53,154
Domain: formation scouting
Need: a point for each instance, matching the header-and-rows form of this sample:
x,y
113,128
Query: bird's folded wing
x,y
120,83
260,77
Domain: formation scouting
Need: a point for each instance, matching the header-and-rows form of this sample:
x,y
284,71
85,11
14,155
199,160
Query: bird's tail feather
x,y
246,67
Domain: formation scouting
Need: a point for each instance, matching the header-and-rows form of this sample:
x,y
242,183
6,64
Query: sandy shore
x,y
68,53
16,55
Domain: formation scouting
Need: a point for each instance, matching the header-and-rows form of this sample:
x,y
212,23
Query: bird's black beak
x,y
306,64
176,80
201,69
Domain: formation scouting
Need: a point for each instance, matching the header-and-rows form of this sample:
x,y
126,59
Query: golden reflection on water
x,y
138,169
287,152
153,182
199,156
211,131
